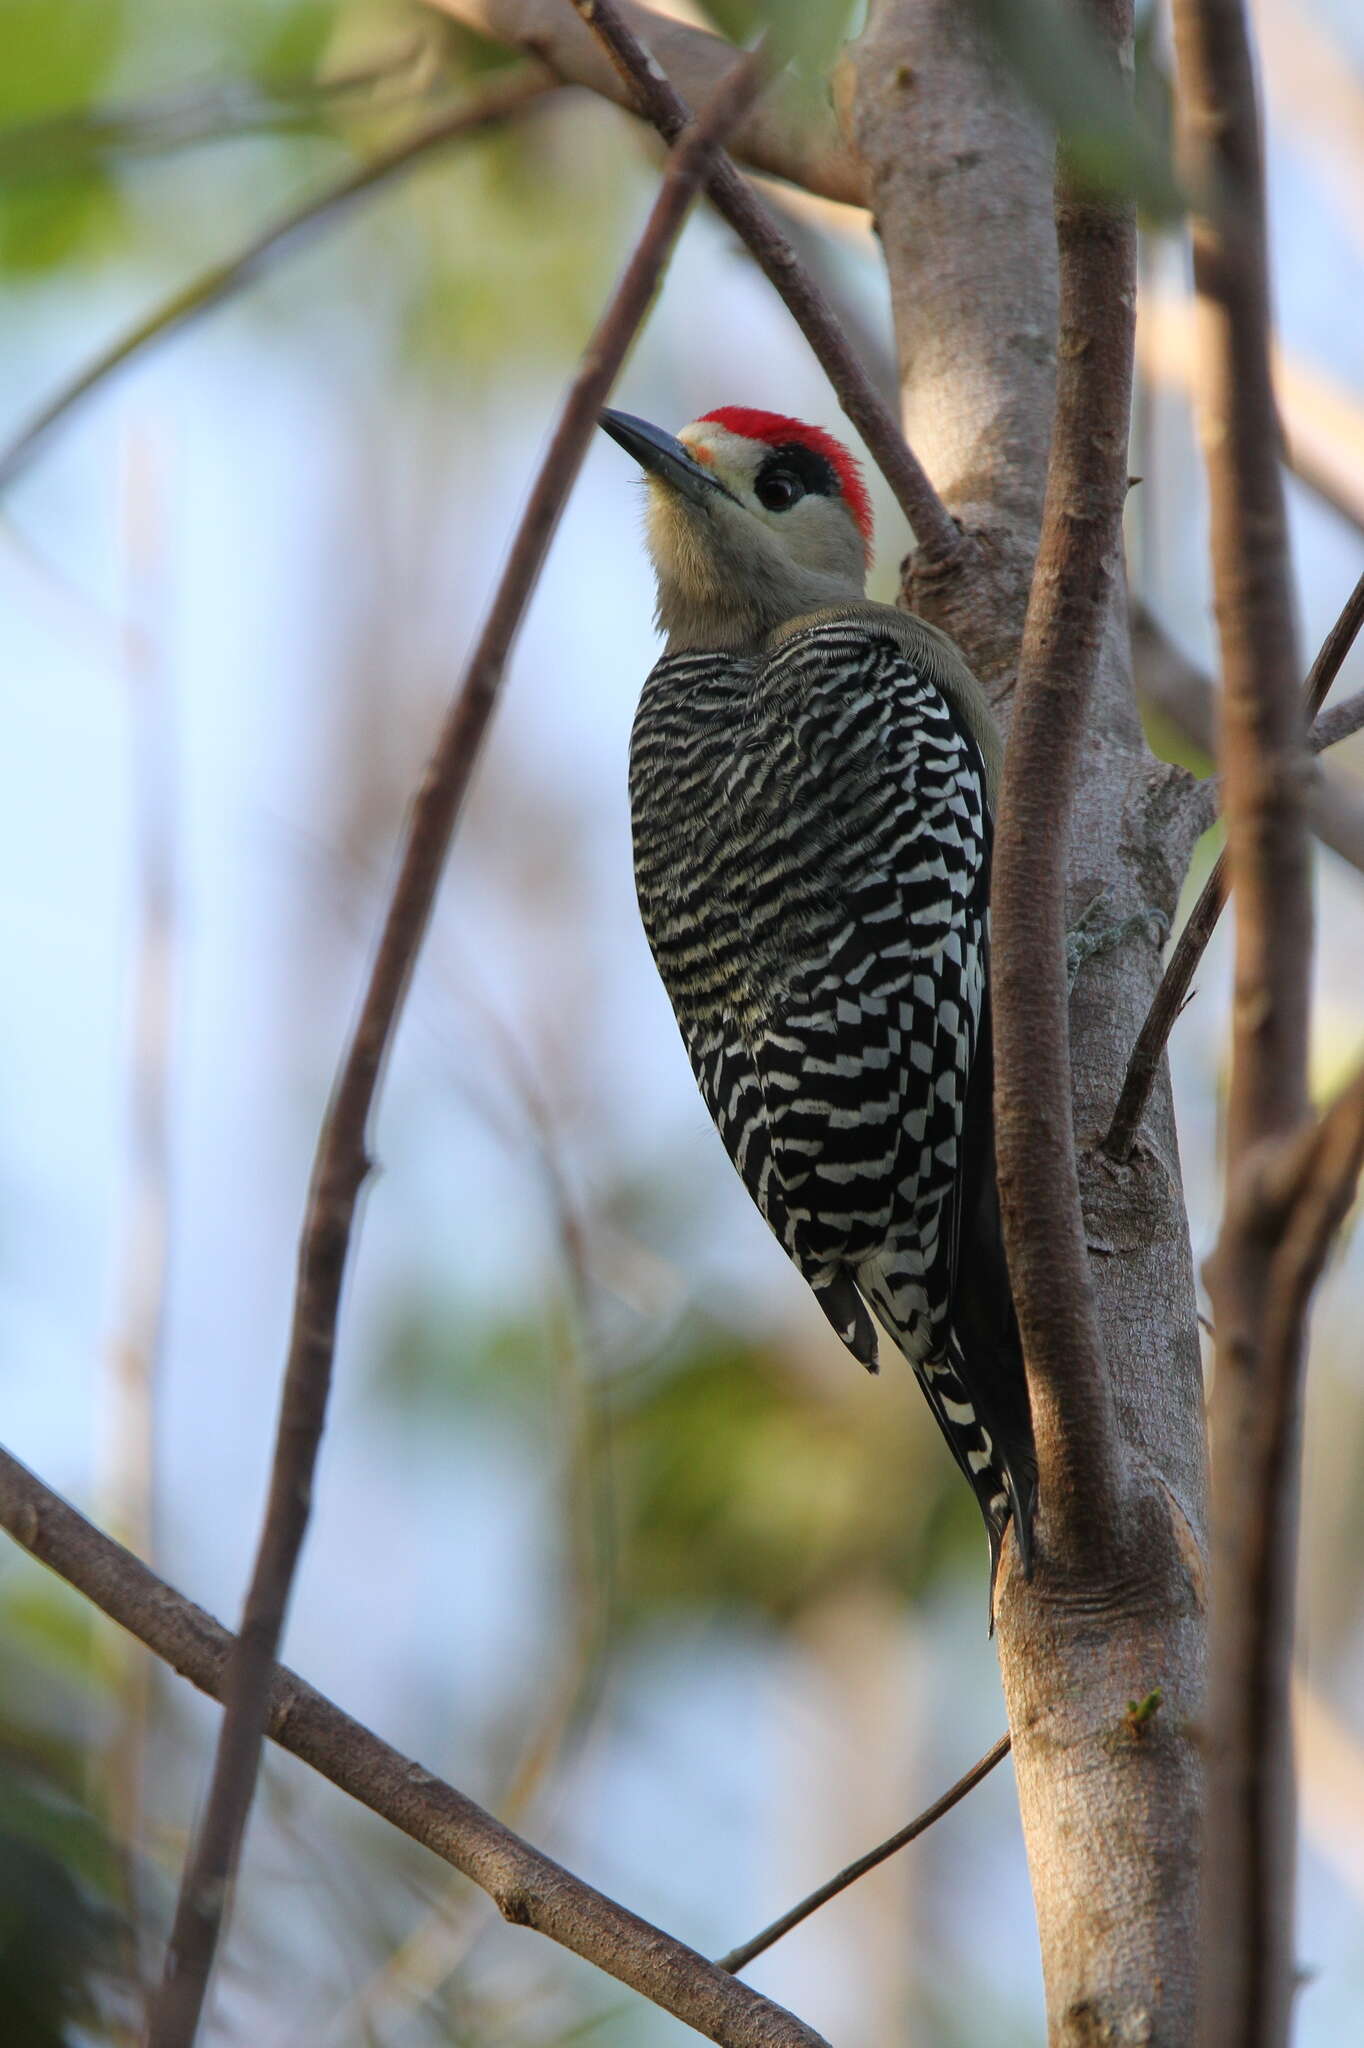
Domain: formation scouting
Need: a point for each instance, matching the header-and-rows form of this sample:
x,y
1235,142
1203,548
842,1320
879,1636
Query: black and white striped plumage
x,y
812,849
810,780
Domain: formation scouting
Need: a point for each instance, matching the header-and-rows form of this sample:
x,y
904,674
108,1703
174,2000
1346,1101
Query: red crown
x,y
776,429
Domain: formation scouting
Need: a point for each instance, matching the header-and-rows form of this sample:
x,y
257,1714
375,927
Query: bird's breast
x,y
741,853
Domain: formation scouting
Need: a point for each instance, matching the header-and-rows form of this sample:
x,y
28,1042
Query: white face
x,y
813,528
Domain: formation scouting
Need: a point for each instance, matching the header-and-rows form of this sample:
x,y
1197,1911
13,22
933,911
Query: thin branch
x,y
527,1887
1186,695
1302,1194
1075,587
1341,722
1335,807
1166,1005
1247,1954
739,1958
341,1163
496,102
818,232
939,538
791,133
1327,730
1175,983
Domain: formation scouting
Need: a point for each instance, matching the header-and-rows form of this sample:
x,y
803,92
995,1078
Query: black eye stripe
x,y
811,471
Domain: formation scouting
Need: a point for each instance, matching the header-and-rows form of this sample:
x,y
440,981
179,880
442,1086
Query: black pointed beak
x,y
662,455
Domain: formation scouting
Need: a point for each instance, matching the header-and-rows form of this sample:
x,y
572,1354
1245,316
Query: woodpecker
x,y
812,779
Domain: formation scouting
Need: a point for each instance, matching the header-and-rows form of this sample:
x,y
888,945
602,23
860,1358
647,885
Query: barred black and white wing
x,y
812,857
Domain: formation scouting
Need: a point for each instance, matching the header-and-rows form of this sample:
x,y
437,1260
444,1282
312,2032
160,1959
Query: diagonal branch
x,y
1335,804
527,1887
939,538
789,134
341,1163
1341,722
1247,1960
1303,1196
1192,943
1335,808
496,102
747,1951
1076,587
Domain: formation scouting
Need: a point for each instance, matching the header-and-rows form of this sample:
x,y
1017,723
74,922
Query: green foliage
x,y
737,1481
1172,743
1113,145
742,1483
475,56
436,1361
514,244
810,35
61,1904
1153,89
504,250
63,119
283,42
55,1940
58,54
55,1627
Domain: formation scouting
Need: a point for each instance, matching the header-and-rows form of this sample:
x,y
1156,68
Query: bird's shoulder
x,y
884,664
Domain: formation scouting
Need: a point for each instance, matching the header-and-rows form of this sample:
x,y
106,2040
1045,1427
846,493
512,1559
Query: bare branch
x,y
806,223
341,1163
1296,1198
1192,943
1247,1961
1074,590
494,103
939,538
1335,807
528,1888
739,1958
1341,722
1169,999
789,134
1186,695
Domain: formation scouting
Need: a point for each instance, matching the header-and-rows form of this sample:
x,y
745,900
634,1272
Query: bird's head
x,y
753,519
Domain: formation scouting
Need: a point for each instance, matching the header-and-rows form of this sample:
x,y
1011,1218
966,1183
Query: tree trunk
x,y
960,178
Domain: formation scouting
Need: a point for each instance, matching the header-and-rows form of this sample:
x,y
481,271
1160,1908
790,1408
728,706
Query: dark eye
x,y
778,489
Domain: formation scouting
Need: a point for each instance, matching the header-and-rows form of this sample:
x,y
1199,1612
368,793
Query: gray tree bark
x,y
960,180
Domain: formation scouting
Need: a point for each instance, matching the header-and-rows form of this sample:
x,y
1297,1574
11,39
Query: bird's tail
x,y
991,1442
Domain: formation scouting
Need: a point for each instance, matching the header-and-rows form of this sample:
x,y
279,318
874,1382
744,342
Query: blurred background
x,y
609,1532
